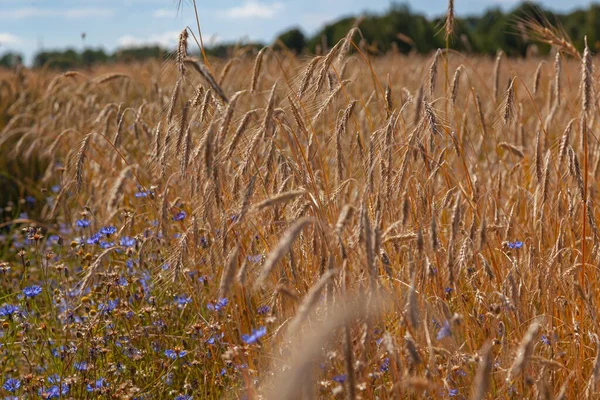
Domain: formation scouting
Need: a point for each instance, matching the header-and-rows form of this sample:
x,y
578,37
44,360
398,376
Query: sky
x,y
28,26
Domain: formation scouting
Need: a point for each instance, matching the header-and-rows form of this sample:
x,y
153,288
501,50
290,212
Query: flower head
x,y
32,291
108,230
179,216
8,310
11,385
444,331
256,334
514,245
82,223
221,303
126,241
175,354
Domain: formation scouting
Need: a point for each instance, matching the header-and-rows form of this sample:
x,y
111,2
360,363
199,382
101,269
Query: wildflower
x,y
106,245
8,310
545,340
30,200
385,366
142,193
12,385
175,354
94,239
98,385
444,331
514,245
214,338
256,334
82,223
218,305
339,378
262,310
32,291
452,392
108,230
126,241
182,300
183,397
55,188
81,366
448,290
255,258
179,216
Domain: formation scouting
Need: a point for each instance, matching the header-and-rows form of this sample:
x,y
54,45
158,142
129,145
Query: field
x,y
274,226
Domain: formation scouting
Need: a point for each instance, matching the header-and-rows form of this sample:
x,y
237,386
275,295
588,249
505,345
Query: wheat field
x,y
275,226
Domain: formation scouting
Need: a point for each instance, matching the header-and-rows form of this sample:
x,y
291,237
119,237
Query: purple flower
x,y
94,239
8,310
126,241
108,230
262,310
82,223
106,245
182,300
514,245
385,365
545,340
221,303
452,392
81,366
444,331
339,378
255,259
12,385
174,355
183,397
32,291
98,385
256,334
179,216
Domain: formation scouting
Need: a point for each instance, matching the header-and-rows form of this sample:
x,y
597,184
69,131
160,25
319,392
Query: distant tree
x,y
91,56
293,39
131,54
10,59
66,59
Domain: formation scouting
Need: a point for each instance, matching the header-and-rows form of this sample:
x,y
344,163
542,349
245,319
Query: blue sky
x,y
30,25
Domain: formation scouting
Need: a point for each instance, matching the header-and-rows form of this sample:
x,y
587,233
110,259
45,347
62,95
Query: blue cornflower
x,y
262,310
448,290
94,239
444,331
54,392
545,340
255,258
218,305
55,188
82,223
108,230
214,338
174,355
385,365
8,310
11,385
179,216
142,193
98,385
453,392
182,300
32,291
256,334
126,241
514,245
183,397
81,366
339,378
106,245
30,200
109,306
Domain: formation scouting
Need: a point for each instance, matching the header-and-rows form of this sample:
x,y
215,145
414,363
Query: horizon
x,y
59,24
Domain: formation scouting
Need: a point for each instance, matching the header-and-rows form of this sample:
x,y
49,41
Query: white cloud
x,y
8,39
71,13
164,13
165,39
253,9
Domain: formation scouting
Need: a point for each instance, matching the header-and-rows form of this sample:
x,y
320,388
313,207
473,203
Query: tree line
x,y
398,29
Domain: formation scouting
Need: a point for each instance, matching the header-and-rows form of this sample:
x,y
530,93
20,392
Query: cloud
x,y
253,9
165,39
70,13
8,39
164,13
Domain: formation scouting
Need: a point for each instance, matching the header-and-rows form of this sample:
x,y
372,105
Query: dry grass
x,y
462,217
